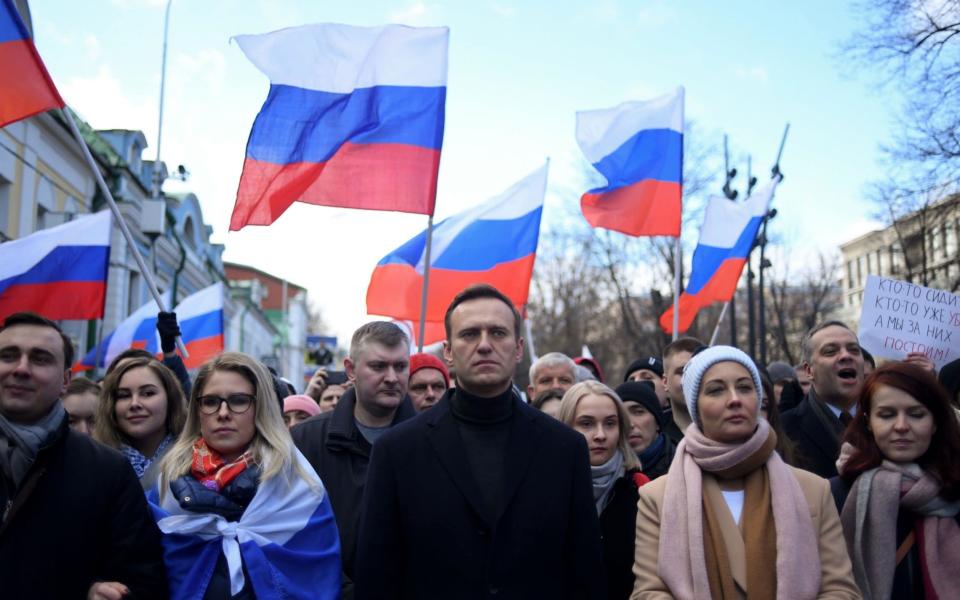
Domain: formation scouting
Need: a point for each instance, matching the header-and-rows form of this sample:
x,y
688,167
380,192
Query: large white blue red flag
x,y
60,272
638,147
728,233
200,316
286,541
494,242
354,118
27,88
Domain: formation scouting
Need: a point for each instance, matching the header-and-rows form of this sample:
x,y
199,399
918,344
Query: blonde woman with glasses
x,y
243,515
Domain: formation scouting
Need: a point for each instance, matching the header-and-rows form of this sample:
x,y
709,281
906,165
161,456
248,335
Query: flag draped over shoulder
x,y
354,118
728,233
60,272
494,242
638,147
200,316
25,86
286,541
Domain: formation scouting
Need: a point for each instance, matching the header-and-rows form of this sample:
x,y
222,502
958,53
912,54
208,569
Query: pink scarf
x,y
869,520
681,557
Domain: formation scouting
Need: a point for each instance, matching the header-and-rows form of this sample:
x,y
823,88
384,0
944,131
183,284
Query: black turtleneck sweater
x,y
484,425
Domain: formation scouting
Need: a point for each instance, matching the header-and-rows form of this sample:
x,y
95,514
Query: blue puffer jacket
x,y
229,503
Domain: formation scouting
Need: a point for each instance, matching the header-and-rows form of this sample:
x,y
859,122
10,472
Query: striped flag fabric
x,y
200,316
494,243
26,87
354,118
60,272
285,542
728,233
638,148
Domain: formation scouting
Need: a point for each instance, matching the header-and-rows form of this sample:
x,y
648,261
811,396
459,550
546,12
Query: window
x,y
134,293
850,274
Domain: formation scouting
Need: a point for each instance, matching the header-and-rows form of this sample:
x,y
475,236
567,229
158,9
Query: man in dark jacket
x,y
74,519
834,361
654,448
338,443
481,496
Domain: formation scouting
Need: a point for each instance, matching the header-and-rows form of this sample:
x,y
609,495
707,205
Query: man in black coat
x,y
338,443
481,496
834,361
75,521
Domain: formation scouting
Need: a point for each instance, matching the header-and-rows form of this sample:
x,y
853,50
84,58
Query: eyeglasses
x,y
237,403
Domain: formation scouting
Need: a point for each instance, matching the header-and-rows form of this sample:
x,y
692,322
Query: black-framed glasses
x,y
236,403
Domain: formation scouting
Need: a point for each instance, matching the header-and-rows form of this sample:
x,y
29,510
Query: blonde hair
x,y
272,447
107,431
568,410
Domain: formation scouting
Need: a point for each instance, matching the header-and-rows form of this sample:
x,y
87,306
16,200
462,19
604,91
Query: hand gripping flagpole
x,y
148,277
426,285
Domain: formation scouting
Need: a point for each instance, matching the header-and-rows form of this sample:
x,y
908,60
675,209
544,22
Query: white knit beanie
x,y
699,364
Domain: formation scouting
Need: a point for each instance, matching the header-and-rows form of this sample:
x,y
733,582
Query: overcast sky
x,y
518,71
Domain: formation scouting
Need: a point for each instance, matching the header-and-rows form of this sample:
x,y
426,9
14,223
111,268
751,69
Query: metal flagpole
x,y
157,184
716,330
426,285
676,288
530,347
676,246
147,275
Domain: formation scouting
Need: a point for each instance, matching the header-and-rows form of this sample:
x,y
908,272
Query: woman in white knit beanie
x,y
731,519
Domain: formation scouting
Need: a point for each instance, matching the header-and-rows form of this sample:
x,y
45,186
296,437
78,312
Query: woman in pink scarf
x,y
730,519
899,487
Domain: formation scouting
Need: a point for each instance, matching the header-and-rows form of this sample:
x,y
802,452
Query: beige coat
x,y
836,579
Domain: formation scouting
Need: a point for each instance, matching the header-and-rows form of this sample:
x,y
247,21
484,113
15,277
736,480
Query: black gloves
x,y
169,330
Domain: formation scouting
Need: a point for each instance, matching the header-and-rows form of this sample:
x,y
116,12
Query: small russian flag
x,y
60,272
638,147
726,238
27,88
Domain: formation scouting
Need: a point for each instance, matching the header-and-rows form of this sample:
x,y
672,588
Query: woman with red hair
x,y
899,487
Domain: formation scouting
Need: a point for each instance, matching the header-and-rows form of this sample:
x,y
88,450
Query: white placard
x,y
900,317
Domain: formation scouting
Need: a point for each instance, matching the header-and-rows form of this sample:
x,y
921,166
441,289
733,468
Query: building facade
x,y
922,248
285,305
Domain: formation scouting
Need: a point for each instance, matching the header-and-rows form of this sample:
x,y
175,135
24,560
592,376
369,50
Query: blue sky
x,y
518,72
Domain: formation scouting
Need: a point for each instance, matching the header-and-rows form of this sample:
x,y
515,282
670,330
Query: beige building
x,y
922,247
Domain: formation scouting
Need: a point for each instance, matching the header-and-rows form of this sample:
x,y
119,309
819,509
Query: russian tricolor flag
x,y
199,315
25,86
494,243
638,147
354,118
60,272
729,230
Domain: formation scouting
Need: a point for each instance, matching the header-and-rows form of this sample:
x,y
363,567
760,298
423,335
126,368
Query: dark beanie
x,y
643,394
650,363
950,378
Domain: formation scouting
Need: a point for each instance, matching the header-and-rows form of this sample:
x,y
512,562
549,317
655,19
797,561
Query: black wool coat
x,y
80,517
618,526
340,455
816,442
425,532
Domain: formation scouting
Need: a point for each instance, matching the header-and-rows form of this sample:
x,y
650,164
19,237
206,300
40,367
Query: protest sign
x,y
900,317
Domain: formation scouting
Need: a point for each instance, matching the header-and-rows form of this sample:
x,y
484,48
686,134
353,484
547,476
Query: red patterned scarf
x,y
211,470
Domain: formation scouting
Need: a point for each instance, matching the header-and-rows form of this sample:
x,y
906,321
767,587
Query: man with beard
x,y
338,443
482,495
833,360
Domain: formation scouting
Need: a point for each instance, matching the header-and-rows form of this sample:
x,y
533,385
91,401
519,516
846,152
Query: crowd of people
x,y
700,474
